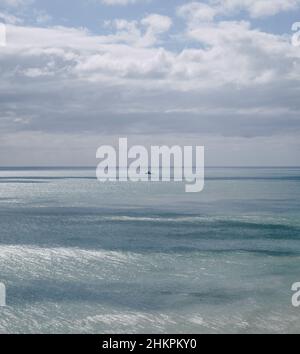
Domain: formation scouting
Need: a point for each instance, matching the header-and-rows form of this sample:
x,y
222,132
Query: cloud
x,y
46,149
157,23
8,18
8,9
142,33
197,12
203,12
67,80
257,8
121,2
15,3
220,79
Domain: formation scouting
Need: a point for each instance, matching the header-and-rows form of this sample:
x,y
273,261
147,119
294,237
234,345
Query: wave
x,y
39,259
250,219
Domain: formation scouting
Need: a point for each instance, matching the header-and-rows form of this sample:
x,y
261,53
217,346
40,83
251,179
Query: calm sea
x,y
79,256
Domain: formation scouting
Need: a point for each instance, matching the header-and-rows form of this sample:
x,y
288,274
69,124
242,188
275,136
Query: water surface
x,y
80,256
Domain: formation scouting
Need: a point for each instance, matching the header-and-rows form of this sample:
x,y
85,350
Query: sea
x,y
81,256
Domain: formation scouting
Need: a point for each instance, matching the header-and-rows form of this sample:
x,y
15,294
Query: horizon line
x,y
93,167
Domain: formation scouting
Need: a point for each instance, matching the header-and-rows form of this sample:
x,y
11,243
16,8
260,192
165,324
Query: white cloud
x,y
233,59
121,2
257,8
228,82
233,51
203,12
196,11
10,19
157,23
142,33
15,3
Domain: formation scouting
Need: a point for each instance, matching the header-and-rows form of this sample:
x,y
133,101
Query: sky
x,y
77,74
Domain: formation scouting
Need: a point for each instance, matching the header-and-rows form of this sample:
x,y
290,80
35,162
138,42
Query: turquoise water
x,y
79,256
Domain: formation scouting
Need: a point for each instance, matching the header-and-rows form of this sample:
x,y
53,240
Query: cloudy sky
x,y
76,74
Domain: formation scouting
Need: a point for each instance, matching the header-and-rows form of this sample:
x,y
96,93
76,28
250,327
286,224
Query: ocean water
x,y
80,256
